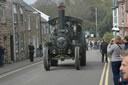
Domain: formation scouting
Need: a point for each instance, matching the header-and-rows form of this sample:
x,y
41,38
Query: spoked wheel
x,y
46,60
77,57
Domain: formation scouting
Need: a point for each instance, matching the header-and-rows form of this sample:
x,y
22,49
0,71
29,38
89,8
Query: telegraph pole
x,y
14,41
96,21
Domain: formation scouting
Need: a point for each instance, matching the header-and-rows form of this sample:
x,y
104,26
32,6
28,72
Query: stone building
x,y
20,24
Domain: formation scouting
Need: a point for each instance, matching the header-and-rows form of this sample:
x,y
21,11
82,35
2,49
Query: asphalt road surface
x,y
94,73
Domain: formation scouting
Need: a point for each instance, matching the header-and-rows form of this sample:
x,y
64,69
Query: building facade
x,y
115,28
19,25
123,17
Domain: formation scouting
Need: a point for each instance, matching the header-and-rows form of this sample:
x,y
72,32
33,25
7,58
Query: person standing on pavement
x,y
114,49
91,45
1,54
40,47
31,52
125,41
104,45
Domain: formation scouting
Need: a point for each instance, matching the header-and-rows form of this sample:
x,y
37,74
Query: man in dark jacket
x,y
40,47
104,45
31,52
126,42
1,55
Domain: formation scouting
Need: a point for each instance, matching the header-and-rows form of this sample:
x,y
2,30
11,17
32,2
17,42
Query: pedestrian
x,y
91,45
95,44
100,46
40,47
1,54
104,45
125,41
31,52
114,50
124,65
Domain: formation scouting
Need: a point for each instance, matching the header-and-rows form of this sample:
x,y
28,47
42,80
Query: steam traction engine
x,y
66,41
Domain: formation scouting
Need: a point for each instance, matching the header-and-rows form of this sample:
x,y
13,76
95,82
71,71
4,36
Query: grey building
x,y
19,25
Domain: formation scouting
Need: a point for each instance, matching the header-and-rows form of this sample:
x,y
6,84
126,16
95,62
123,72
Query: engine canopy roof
x,y
54,21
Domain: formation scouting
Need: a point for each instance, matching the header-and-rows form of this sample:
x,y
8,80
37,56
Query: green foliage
x,y
108,36
85,10
105,25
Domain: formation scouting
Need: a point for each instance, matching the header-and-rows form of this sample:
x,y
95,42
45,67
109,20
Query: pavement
x,y
10,67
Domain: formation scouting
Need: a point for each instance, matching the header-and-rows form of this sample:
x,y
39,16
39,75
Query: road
x,y
94,73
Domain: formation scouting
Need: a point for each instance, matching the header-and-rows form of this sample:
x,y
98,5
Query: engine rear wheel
x,y
77,57
83,51
83,58
46,60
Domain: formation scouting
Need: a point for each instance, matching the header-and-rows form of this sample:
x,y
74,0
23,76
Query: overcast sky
x,y
29,1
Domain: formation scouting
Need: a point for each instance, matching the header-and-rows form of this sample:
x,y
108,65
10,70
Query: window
x,y
15,14
22,42
17,43
45,31
2,16
127,18
1,12
42,27
123,33
122,14
29,23
126,6
115,2
37,42
37,22
115,15
21,15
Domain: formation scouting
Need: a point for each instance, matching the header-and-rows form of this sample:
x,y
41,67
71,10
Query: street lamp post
x,y
96,21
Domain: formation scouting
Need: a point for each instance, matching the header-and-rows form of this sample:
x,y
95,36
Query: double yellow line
x,y
105,74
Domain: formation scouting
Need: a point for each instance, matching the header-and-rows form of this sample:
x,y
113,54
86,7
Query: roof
x,y
43,15
67,18
29,8
26,6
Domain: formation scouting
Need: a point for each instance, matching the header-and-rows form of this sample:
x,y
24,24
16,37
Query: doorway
x,y
11,48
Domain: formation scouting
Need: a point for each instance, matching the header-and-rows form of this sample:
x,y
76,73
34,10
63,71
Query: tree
x,y
108,36
105,25
85,10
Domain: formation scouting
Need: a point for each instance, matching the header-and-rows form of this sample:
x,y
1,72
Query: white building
x,y
115,28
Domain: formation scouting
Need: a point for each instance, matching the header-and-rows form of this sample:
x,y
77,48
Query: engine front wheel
x,y
46,60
